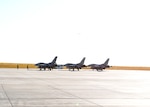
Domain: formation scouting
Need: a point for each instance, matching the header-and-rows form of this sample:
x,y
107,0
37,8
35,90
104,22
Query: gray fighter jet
x,y
100,66
49,66
75,66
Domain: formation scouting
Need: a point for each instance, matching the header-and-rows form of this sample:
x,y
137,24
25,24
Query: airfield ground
x,y
85,88
31,66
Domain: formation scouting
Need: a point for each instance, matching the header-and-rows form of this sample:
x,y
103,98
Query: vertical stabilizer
x,y
82,61
106,62
54,60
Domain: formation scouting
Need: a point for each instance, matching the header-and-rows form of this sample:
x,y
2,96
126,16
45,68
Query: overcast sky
x,y
32,31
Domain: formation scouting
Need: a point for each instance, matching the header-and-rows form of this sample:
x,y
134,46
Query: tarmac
x,y
84,88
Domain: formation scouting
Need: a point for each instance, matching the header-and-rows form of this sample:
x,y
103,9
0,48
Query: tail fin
x,y
106,62
54,60
82,61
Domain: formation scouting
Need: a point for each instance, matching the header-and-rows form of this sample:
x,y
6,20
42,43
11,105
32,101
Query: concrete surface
x,y
62,88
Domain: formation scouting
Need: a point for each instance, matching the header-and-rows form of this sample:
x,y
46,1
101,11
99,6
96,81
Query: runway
x,y
84,88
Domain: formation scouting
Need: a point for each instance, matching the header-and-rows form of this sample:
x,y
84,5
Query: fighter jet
x,y
100,66
50,65
75,66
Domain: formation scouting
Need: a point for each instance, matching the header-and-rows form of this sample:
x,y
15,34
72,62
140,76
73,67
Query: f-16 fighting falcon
x,y
100,66
50,65
75,66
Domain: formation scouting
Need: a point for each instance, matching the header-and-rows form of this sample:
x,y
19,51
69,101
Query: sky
x,y
34,31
